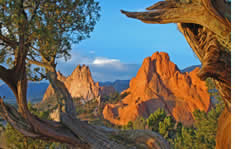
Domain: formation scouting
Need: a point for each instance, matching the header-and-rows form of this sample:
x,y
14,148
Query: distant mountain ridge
x,y
118,85
190,68
35,90
121,85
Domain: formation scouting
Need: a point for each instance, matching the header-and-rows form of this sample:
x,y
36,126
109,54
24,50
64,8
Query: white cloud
x,y
108,63
92,52
102,68
103,61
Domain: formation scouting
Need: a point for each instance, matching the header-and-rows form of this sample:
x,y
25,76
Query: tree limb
x,y
12,44
9,78
216,62
35,10
41,64
194,12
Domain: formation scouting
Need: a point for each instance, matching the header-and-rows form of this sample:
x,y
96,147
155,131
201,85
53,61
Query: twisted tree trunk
x,y
207,28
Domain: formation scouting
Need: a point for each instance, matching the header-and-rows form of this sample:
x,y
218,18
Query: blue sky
x,y
118,45
118,40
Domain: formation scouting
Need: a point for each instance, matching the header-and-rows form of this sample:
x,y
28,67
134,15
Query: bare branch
x,y
8,76
41,64
35,10
12,44
11,115
171,12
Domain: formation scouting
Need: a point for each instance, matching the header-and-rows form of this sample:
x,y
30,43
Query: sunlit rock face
x,y
81,85
160,84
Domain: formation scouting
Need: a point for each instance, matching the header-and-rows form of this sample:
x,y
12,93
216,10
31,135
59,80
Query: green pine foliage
x,y
184,139
16,140
153,121
114,98
49,29
203,134
139,123
129,125
162,123
166,127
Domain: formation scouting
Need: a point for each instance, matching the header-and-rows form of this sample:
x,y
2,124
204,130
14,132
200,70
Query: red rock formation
x,y
81,84
160,84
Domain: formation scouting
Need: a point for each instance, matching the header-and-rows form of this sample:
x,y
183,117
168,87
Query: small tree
x,y
166,127
155,118
203,134
139,123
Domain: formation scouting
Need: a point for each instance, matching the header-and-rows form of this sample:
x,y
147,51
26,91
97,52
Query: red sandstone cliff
x,y
160,84
80,84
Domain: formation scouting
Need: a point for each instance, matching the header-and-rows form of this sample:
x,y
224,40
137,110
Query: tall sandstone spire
x,y
80,85
160,84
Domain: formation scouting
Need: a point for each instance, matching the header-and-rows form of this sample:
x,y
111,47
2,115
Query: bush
x,y
139,123
155,118
166,127
203,135
114,98
130,125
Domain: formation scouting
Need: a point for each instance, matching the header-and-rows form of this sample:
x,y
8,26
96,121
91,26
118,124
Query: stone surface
x,y
81,85
160,84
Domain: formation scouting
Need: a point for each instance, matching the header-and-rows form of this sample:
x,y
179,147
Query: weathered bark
x,y
63,96
207,28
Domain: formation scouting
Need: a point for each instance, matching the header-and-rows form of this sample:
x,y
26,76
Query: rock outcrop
x,y
81,85
160,84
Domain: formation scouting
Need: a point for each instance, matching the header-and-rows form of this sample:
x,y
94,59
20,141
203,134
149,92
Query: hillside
x,y
35,90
